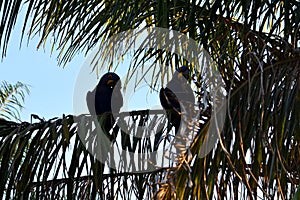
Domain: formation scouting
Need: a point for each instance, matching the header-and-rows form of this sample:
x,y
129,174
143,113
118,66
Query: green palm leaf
x,y
11,99
255,45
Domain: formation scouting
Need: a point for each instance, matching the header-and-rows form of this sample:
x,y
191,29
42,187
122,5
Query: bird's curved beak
x,y
110,82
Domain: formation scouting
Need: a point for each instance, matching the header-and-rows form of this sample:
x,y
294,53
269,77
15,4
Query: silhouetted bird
x,y
103,100
177,92
106,94
106,98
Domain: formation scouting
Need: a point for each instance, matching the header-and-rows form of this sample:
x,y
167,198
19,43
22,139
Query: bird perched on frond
x,y
106,98
176,94
102,101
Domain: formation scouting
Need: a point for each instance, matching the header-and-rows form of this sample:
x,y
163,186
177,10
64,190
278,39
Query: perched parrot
x,y
106,98
107,91
177,92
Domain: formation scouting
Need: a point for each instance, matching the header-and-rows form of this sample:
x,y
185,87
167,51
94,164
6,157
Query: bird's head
x,y
110,79
183,71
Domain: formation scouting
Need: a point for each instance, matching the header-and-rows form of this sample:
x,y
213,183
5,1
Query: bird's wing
x,y
103,99
168,100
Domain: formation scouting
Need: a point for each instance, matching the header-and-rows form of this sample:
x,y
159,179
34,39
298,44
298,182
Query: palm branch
x,y
255,45
11,99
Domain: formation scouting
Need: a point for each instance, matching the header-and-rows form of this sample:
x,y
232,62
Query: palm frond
x,y
258,157
52,159
11,99
256,47
80,25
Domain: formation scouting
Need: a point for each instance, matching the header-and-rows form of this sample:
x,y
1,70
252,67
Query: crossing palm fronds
x,y
11,99
255,46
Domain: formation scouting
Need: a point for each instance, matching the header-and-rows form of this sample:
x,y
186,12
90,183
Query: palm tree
x,y
255,45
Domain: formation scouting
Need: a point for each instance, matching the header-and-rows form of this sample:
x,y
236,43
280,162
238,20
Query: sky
x,y
57,90
51,86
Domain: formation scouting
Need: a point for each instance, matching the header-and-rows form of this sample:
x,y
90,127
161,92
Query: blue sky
x,y
52,86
